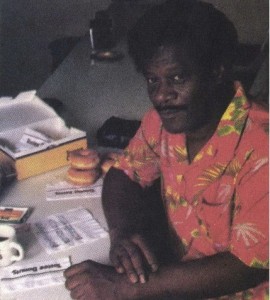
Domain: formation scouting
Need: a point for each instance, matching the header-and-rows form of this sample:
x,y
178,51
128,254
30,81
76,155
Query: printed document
x,y
64,230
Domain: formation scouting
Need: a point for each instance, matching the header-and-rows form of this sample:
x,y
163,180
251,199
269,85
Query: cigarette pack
x,y
14,215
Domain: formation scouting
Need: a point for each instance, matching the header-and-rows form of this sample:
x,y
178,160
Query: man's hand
x,y
137,222
92,281
133,256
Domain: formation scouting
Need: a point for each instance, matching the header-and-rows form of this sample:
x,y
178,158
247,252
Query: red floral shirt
x,y
219,201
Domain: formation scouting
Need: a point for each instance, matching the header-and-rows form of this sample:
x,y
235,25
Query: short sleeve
x,y
140,160
250,230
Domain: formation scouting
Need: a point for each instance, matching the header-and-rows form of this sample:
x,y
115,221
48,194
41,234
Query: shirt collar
x,y
233,119
223,143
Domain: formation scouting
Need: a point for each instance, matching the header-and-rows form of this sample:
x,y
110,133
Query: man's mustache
x,y
161,108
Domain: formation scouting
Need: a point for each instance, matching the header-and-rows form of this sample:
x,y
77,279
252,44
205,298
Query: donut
x,y
106,165
108,162
112,155
84,159
82,177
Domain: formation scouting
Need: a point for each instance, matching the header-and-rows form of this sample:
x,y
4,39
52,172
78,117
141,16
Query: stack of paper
x,y
71,228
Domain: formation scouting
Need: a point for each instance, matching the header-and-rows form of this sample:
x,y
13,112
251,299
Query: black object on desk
x,y
102,31
106,55
117,132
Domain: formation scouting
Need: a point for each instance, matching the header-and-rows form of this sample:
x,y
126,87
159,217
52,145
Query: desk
x,y
31,193
91,94
94,92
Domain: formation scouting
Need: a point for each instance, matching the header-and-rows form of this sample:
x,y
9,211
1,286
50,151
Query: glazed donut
x,y
84,159
108,162
112,155
106,165
82,177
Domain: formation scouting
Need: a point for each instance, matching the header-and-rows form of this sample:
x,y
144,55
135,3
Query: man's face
x,y
177,91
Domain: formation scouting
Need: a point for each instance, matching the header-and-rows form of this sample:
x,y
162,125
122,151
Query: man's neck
x,y
196,139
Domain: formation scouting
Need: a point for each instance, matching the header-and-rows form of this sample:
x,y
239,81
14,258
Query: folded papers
x,y
63,190
69,229
17,278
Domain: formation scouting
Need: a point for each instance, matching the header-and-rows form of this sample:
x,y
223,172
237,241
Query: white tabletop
x,y
91,94
31,193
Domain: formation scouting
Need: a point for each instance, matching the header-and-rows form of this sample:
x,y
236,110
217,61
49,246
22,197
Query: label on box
x,y
14,214
31,139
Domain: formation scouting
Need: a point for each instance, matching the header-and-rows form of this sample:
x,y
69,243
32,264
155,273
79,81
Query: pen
x,y
92,45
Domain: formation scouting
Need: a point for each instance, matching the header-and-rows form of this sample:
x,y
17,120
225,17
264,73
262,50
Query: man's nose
x,y
164,93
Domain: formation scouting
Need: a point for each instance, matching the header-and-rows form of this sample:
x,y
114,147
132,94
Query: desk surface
x,y
31,193
91,94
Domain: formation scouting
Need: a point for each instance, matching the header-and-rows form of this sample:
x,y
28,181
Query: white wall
x,y
250,17
28,26
27,29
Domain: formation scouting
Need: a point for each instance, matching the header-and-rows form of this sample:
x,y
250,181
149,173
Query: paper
x,y
63,190
31,139
5,99
65,230
22,277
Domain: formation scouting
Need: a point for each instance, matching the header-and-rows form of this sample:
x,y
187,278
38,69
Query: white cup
x,y
10,250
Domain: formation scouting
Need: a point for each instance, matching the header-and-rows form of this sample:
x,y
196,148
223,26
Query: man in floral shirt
x,y
209,146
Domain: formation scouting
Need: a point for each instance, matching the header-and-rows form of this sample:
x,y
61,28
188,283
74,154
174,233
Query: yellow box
x,y
28,112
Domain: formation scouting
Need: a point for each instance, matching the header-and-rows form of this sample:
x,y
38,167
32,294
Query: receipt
x,y
35,275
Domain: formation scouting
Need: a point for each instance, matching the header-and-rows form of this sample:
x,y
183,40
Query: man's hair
x,y
210,36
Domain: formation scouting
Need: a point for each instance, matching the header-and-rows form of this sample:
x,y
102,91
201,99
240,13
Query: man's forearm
x,y
122,201
138,226
213,276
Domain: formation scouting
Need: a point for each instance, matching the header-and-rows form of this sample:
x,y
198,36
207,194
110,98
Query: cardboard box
x,y
28,111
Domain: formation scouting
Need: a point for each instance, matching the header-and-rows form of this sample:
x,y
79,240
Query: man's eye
x,y
178,79
151,80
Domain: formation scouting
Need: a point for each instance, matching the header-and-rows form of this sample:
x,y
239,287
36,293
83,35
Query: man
x,y
209,146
